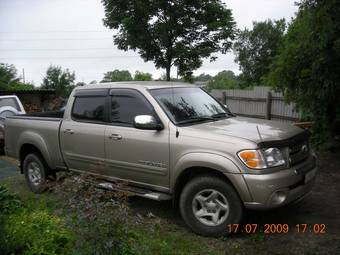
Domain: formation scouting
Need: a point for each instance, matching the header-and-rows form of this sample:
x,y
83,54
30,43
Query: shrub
x,y
29,230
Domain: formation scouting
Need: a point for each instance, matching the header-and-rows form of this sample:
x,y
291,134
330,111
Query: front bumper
x,y
280,188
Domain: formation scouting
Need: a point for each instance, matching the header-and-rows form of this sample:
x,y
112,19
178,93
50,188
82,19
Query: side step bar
x,y
135,191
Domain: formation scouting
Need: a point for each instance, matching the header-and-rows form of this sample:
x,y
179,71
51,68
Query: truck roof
x,y
137,84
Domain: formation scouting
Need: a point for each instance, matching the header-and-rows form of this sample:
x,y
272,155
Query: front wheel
x,y
36,172
208,204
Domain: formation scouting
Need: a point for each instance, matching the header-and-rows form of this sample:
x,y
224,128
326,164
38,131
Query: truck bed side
x,y
40,132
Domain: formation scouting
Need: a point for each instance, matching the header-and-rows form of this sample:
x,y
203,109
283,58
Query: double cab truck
x,y
167,141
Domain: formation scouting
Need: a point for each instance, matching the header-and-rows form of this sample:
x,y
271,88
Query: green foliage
x,y
21,86
30,230
171,33
63,81
117,75
35,232
8,75
9,79
224,80
140,76
9,203
256,48
307,67
203,77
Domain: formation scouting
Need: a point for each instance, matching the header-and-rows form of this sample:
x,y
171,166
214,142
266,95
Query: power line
x,y
55,31
56,39
103,57
56,49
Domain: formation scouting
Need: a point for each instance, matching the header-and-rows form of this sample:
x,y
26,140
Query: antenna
x,y
258,131
173,103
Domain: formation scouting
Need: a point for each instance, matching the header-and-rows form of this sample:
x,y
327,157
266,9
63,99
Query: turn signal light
x,y
252,159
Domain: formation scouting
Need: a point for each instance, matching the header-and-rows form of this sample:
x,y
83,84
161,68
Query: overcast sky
x,y
37,33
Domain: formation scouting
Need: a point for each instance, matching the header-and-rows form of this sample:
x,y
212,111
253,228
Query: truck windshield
x,y
9,101
189,105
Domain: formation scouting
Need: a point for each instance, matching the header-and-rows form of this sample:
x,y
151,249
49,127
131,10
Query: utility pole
x,y
23,75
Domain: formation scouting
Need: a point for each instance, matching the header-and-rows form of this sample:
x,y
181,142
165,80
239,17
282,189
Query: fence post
x,y
224,97
268,105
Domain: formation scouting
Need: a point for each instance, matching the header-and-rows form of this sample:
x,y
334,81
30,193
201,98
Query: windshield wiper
x,y
220,115
197,119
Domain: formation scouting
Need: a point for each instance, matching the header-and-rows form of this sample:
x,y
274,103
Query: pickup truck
x,y
9,105
168,141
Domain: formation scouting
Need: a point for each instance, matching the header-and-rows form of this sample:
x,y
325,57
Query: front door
x,y
139,156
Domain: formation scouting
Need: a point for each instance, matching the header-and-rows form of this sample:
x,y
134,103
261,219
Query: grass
x,y
102,222
107,226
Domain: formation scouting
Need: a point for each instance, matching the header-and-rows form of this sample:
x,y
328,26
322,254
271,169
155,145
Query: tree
x,y
203,77
8,75
117,75
140,76
224,80
256,48
20,86
9,79
171,33
307,67
63,81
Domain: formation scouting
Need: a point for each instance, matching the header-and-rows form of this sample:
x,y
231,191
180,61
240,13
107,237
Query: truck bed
x,y
40,129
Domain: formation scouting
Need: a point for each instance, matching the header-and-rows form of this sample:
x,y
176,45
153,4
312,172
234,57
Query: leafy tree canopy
x,y
307,67
140,76
256,48
9,79
203,77
63,81
117,75
224,80
171,33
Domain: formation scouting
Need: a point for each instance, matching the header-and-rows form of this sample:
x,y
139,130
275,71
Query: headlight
x,y
260,159
273,157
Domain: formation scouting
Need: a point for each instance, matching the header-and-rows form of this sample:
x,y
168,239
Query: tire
x,y
36,172
205,196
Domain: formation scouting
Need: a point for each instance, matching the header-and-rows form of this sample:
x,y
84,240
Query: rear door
x,y
140,156
82,134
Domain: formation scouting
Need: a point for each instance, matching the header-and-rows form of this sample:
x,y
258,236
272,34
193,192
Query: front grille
x,y
298,152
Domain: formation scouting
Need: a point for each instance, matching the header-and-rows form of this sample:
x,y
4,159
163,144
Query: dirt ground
x,y
322,206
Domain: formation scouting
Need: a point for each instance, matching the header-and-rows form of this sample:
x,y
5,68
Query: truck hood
x,y
256,130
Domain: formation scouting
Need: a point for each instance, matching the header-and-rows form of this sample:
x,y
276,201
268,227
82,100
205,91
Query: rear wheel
x,y
37,172
208,204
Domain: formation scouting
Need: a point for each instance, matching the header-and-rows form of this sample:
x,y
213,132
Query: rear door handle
x,y
115,137
68,131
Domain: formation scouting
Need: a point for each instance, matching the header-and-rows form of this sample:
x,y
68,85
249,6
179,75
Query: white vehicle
x,y
9,106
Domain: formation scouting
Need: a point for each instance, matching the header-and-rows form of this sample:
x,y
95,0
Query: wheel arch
x,y
28,148
192,172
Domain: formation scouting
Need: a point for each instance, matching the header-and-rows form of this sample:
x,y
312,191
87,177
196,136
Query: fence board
x,y
260,102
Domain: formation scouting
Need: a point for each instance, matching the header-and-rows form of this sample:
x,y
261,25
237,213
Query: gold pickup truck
x,y
168,141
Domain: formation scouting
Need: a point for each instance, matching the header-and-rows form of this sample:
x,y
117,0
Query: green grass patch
x,y
76,218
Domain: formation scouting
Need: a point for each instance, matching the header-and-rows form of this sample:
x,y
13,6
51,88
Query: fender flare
x,y
37,141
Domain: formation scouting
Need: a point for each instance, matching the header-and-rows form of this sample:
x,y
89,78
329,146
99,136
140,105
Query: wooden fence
x,y
260,102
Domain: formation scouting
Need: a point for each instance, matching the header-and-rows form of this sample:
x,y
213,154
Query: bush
x,y
9,203
30,231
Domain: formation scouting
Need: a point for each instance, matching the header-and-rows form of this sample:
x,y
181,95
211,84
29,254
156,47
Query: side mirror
x,y
147,122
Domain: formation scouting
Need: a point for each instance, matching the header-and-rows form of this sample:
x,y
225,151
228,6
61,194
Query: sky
x,y
35,34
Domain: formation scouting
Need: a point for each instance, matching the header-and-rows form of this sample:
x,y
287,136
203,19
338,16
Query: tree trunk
x,y
168,70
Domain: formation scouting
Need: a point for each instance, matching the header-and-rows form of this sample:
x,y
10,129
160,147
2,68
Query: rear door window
x,y
90,109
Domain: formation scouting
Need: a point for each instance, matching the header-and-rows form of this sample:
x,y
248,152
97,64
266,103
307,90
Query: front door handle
x,y
68,131
115,137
